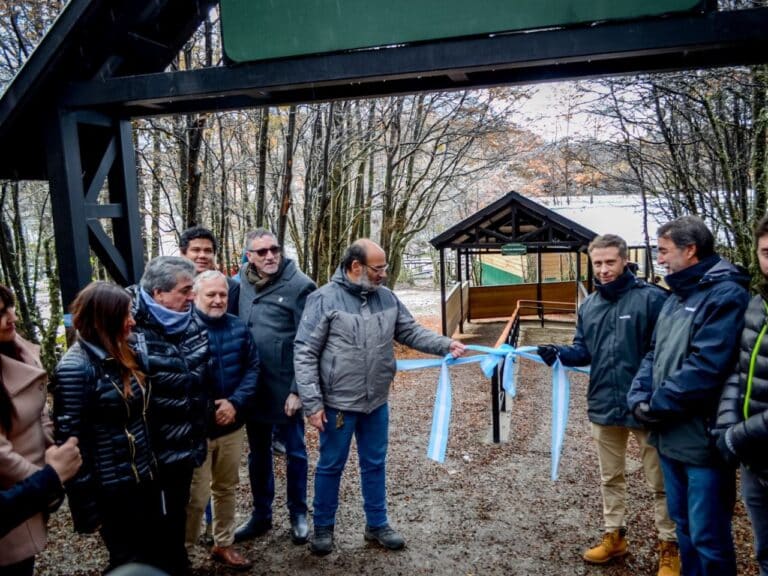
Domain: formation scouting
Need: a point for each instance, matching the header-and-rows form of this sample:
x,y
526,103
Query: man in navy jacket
x,y
232,378
613,333
678,386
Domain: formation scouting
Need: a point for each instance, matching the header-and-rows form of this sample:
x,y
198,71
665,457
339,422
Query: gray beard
x,y
366,284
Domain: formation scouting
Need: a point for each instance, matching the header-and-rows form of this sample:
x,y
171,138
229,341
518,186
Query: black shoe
x,y
299,528
253,528
386,536
322,541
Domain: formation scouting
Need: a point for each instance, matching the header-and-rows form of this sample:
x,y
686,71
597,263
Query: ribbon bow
x,y
489,360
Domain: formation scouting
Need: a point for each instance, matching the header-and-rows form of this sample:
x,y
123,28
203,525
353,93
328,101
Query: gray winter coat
x,y
344,355
272,315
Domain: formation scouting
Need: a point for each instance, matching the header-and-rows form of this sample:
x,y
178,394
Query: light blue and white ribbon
x,y
489,360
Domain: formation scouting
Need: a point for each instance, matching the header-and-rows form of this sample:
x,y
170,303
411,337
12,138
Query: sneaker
x,y
613,545
252,528
386,536
669,559
322,541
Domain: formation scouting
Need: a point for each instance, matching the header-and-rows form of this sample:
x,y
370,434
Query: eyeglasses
x,y
379,269
261,252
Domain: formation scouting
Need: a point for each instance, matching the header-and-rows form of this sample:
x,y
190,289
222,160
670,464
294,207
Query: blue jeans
x,y
371,432
700,501
755,495
260,466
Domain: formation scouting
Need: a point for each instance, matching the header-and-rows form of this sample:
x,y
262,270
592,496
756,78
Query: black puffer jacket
x,y
749,424
111,429
180,401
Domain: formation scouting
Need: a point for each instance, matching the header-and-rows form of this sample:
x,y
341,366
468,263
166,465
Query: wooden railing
x,y
510,335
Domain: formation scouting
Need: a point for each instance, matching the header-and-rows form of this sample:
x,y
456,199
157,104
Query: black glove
x,y
643,414
729,456
548,353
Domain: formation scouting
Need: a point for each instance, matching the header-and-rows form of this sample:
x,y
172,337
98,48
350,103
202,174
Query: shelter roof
x,y
90,40
514,218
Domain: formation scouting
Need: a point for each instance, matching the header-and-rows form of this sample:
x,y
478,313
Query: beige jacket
x,y
22,451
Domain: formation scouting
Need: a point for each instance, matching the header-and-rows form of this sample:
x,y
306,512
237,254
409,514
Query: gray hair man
x,y
676,390
176,361
273,292
345,364
232,381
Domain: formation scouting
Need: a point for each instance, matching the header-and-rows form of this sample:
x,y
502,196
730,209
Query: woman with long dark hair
x,y
101,398
25,431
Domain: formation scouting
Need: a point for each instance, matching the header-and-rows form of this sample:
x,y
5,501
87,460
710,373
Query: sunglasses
x,y
261,252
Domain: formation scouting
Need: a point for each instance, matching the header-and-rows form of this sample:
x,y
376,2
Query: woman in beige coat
x,y
25,432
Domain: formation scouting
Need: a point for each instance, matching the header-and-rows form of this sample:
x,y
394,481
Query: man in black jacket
x,y
615,325
177,358
273,292
742,420
233,375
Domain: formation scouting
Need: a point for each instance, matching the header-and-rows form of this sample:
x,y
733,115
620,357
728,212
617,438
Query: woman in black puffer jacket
x,y
742,421
101,398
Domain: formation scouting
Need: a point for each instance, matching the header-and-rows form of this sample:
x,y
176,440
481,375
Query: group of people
x,y
154,399
686,373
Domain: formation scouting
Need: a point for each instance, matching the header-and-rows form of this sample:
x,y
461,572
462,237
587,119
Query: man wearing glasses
x,y
272,296
345,364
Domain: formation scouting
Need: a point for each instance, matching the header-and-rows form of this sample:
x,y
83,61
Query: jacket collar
x,y
685,281
612,291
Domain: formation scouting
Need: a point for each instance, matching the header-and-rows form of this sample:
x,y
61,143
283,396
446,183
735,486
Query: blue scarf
x,y
173,322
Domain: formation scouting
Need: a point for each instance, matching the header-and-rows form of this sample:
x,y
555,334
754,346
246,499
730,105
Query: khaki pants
x,y
611,442
217,477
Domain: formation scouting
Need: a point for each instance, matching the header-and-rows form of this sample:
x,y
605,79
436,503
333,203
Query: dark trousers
x,y
754,491
23,568
260,469
700,501
174,481
128,516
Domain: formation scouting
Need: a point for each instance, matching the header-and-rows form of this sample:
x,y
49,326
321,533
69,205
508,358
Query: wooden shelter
x,y
512,224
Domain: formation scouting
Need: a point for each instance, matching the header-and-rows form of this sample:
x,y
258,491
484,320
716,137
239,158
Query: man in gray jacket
x,y
613,333
272,296
345,362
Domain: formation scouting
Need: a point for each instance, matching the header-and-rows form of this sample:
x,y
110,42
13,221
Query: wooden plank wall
x,y
500,301
453,306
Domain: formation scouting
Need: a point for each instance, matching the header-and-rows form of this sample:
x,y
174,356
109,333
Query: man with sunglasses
x,y
272,295
345,363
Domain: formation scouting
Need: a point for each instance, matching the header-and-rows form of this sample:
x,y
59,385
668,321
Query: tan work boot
x,y
669,559
612,546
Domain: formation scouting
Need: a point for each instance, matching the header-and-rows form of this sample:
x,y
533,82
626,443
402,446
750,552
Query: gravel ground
x,y
489,509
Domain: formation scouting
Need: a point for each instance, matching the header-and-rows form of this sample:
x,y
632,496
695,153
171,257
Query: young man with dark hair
x,y
742,421
613,333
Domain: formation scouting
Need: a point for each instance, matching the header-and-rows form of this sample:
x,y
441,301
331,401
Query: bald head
x,y
365,264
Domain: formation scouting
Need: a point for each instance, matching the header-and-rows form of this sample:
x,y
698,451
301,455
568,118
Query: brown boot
x,y
669,559
230,557
612,546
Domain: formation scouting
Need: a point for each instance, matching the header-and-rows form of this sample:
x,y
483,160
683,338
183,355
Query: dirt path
x,y
489,509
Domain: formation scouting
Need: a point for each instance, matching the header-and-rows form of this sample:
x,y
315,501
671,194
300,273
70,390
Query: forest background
x,y
402,169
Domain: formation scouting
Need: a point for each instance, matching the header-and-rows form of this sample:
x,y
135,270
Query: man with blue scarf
x,y
677,388
613,333
176,362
